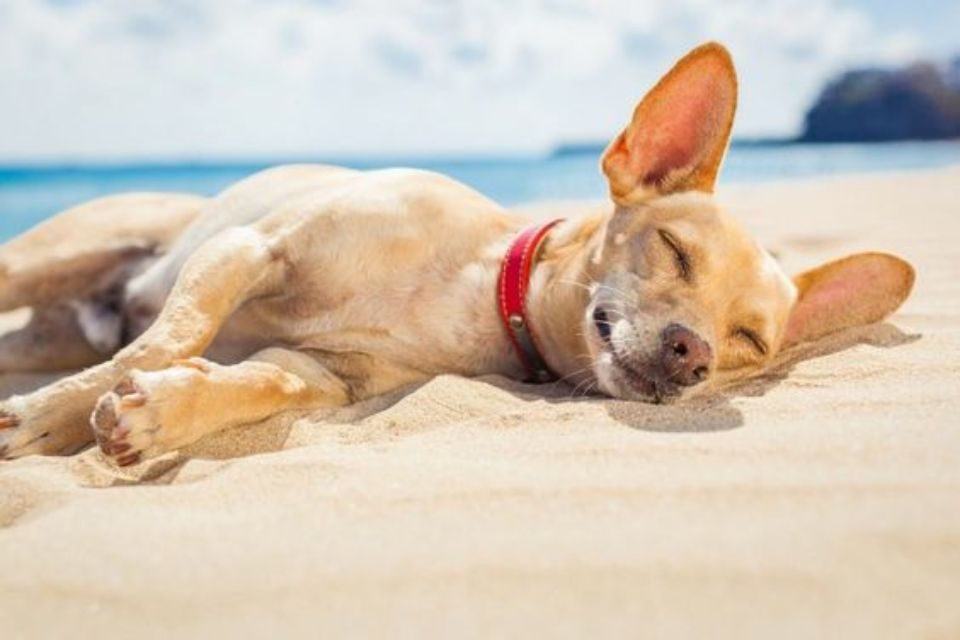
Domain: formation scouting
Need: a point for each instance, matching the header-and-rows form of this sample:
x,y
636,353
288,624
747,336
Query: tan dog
x,y
323,286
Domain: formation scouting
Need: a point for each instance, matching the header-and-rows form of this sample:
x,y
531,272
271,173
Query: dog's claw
x,y
128,460
119,447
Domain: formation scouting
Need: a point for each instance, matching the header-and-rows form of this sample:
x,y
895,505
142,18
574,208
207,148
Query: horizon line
x,y
375,159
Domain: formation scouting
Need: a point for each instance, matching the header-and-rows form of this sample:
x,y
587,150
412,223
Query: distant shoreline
x,y
11,168
597,148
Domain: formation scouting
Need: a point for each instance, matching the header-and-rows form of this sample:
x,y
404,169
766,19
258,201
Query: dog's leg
x,y
152,412
230,268
50,340
46,283
52,262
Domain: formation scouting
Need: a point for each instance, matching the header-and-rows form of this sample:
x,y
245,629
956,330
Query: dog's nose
x,y
684,356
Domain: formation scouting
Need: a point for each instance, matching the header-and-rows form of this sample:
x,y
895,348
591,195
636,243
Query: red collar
x,y
514,281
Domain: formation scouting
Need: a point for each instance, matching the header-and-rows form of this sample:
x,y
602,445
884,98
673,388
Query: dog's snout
x,y
685,357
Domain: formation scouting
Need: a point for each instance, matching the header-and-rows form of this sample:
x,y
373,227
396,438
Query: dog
x,y
313,286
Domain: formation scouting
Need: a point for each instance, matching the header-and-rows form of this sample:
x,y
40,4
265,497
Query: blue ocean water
x,y
28,194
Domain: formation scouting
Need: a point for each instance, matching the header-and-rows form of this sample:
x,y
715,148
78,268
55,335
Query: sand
x,y
822,500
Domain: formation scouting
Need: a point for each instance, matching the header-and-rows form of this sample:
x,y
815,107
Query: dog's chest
x,y
430,319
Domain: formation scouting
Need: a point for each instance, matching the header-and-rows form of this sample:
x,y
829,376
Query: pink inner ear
x,y
838,297
677,144
814,308
680,126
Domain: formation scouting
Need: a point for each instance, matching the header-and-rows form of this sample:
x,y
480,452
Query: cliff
x,y
919,102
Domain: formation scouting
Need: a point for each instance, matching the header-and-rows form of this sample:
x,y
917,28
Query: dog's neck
x,y
559,293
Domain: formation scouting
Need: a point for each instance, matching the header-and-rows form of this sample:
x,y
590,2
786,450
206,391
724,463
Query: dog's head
x,y
679,295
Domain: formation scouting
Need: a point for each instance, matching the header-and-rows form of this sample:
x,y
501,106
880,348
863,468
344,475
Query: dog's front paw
x,y
146,414
111,426
28,427
8,419
19,434
8,422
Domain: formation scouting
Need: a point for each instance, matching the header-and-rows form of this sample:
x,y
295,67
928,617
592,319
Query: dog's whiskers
x,y
621,296
576,389
566,378
574,283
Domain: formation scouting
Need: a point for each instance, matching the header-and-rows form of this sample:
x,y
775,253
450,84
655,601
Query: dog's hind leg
x,y
50,339
78,252
41,284
222,274
152,412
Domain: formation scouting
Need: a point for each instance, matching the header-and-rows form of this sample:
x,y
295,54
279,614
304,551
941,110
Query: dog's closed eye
x,y
681,256
751,338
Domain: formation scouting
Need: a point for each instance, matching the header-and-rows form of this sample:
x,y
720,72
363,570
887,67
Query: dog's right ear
x,y
679,132
850,292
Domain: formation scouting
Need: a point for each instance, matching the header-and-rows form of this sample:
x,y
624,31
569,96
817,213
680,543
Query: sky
x,y
116,80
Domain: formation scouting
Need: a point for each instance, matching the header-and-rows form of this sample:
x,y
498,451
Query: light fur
x,y
309,286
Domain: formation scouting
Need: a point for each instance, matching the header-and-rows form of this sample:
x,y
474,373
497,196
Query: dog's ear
x,y
853,291
679,132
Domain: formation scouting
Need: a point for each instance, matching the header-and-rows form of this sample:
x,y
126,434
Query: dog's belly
x,y
243,203
442,328
397,264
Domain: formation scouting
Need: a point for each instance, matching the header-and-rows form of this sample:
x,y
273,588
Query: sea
x,y
31,193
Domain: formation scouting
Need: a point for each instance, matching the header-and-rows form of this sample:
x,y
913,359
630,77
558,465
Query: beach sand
x,y
822,500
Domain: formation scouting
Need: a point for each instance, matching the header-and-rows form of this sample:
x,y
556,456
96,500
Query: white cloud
x,y
111,78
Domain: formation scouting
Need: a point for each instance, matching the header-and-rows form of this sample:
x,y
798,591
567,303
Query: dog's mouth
x,y
629,378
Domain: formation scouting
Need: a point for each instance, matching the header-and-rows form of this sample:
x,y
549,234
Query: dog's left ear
x,y
853,291
679,132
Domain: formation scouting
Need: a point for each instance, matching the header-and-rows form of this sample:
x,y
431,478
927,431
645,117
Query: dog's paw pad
x,y
108,426
126,387
104,421
130,394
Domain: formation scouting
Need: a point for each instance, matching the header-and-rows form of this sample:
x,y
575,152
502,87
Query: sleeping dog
x,y
314,286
